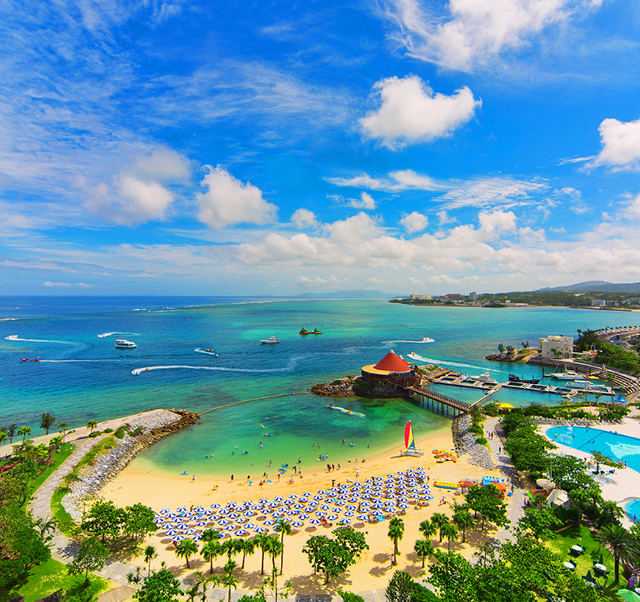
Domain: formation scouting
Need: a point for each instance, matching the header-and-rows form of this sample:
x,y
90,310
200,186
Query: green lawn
x,y
582,536
65,522
66,449
52,576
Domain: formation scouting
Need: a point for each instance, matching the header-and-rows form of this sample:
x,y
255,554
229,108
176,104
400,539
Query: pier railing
x,y
461,406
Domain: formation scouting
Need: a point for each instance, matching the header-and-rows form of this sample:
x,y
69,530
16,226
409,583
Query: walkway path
x,y
515,503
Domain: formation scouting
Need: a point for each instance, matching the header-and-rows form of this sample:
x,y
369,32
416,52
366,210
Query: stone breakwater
x,y
465,443
349,387
108,465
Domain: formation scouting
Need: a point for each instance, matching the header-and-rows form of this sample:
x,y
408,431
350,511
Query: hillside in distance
x,y
596,286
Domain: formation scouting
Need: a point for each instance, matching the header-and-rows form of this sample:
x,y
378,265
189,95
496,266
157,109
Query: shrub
x,y
481,441
121,432
108,431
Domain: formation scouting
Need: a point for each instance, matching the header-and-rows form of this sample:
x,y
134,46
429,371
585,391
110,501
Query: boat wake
x,y
104,335
77,361
288,368
415,356
424,340
345,411
15,337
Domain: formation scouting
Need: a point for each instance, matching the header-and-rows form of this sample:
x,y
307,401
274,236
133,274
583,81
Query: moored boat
x,y
316,331
527,381
124,344
568,375
303,330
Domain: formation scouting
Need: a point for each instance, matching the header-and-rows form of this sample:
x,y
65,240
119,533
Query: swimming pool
x,y
621,448
633,509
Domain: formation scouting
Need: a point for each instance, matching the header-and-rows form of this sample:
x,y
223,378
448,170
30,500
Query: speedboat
x,y
26,359
427,340
270,340
124,344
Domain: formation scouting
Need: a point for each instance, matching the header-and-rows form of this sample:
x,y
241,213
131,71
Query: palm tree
x,y
248,548
3,437
439,519
192,591
211,535
501,348
450,532
428,528
274,550
610,512
463,520
24,431
230,581
92,424
210,551
11,431
149,554
622,543
63,426
396,531
231,547
423,548
284,528
204,581
54,443
185,549
47,421
262,540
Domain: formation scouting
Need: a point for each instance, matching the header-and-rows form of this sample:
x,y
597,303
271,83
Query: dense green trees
x,y
160,586
106,521
91,556
334,556
487,502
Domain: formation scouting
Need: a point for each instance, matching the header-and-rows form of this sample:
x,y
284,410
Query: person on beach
x,y
232,477
193,478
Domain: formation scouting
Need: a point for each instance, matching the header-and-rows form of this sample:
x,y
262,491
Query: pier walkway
x,y
442,400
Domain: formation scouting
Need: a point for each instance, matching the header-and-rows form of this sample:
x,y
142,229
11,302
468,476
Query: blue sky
x,y
242,148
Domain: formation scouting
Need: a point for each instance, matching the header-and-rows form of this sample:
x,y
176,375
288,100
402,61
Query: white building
x,y
554,346
420,297
598,302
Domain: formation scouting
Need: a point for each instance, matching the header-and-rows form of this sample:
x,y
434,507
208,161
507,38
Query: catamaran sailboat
x,y
410,443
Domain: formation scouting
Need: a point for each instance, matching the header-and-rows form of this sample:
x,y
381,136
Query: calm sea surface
x,y
81,376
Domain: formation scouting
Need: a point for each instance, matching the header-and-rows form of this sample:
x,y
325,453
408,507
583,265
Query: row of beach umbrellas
x,y
374,497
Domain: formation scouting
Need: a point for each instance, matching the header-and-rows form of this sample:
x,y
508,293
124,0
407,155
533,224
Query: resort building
x,y
555,347
420,297
393,369
598,302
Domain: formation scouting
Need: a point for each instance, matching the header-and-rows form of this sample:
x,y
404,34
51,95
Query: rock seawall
x,y
108,465
350,387
465,443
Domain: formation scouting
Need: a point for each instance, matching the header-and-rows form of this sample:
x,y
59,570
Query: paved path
x,y
515,503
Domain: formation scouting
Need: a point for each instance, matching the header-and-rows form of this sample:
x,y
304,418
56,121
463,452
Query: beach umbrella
x,y
303,500
250,526
293,496
233,515
325,507
332,517
277,514
165,510
207,512
158,521
322,492
182,509
167,526
247,513
263,500
269,523
259,529
310,509
349,513
292,513
363,517
197,537
182,527
230,527
177,538
255,507
203,523
277,499
298,506
321,514
216,506
306,494
172,532
345,521
172,515
317,497
274,504
198,508
377,513
297,524
315,521
303,516
223,521
189,531
240,533
403,506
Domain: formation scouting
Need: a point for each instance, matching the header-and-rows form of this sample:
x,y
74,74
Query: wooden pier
x,y
442,402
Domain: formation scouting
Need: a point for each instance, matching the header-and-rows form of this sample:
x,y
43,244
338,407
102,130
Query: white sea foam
x,y
424,340
104,335
288,368
15,337
445,363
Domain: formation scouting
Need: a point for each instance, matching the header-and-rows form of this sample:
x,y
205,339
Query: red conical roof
x,y
393,363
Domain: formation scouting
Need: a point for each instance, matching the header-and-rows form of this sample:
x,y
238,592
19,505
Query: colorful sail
x,y
409,441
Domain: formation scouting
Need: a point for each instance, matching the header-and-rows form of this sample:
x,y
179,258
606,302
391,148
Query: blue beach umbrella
x,y
296,524
269,523
158,521
165,510
256,507
321,514
197,537
177,538
247,513
303,516
315,521
198,508
172,533
203,523
349,513
362,517
241,533
259,529
230,527
250,526
223,521
332,517
183,509
189,531
216,506
345,521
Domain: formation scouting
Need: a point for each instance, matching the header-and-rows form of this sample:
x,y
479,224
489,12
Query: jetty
x,y
440,402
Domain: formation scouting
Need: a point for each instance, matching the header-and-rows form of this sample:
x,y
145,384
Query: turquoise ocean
x,y
82,377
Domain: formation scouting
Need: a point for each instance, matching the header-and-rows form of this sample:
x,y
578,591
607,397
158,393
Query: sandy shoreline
x,y
372,571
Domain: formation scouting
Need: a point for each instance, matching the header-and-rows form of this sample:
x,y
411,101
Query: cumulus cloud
x,y
303,218
396,181
471,34
444,217
410,112
414,222
228,201
364,202
620,145
139,193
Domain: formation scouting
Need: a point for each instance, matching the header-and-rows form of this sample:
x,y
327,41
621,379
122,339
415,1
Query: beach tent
x,y
619,399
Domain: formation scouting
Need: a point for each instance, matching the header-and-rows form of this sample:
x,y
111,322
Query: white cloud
x,y
49,284
411,113
228,201
485,192
414,222
303,218
358,227
620,145
473,33
137,194
364,202
396,181
498,220
445,218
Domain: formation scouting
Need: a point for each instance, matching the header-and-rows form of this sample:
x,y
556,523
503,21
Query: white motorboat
x,y
124,344
485,378
270,341
568,375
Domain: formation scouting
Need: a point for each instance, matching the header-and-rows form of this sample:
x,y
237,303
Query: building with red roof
x,y
391,368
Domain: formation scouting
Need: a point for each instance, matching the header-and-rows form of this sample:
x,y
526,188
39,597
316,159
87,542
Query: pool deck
x,y
624,484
